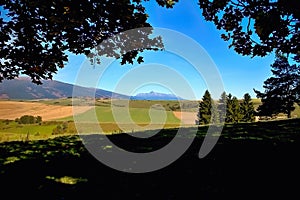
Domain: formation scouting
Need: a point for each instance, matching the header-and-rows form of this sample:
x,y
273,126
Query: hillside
x,y
23,88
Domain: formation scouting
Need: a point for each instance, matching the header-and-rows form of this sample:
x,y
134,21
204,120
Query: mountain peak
x,y
155,96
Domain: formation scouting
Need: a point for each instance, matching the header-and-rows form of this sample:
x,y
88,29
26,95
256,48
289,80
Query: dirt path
x,y
186,117
13,109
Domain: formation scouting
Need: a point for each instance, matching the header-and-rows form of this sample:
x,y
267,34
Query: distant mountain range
x,y
23,88
156,96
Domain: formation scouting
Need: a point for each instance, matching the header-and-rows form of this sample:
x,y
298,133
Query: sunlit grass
x,y
67,180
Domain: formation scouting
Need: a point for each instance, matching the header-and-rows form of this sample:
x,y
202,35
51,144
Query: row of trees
x,y
282,92
227,109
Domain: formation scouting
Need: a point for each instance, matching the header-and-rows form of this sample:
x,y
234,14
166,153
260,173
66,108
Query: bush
x,y
57,130
29,119
60,129
6,122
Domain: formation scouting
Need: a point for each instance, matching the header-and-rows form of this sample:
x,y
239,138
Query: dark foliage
x,y
247,109
257,28
222,107
233,113
35,35
29,119
281,90
205,109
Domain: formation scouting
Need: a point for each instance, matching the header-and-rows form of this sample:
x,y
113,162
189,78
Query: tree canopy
x,y
257,28
35,35
29,119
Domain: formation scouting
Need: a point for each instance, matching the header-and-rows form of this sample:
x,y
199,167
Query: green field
x,y
138,115
138,111
168,105
12,131
184,105
110,124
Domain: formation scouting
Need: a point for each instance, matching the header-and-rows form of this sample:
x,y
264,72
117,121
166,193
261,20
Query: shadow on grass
x,y
257,160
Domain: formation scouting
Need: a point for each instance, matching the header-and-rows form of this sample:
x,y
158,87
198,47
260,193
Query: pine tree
x,y
215,113
281,90
233,114
236,110
222,107
229,110
205,107
247,109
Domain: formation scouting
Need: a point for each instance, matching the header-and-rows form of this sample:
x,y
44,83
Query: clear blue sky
x,y
239,74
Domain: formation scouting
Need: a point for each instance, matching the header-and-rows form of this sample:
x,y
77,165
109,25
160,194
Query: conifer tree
x,y
233,114
229,110
215,113
281,90
236,112
222,107
205,107
247,109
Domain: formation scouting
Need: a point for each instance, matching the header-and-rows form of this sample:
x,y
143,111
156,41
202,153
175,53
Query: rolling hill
x,y
23,88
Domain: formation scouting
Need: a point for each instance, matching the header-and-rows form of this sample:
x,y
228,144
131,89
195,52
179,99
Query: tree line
x,y
227,109
281,94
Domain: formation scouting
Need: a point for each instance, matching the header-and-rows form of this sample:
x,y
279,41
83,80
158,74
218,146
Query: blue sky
x,y
239,74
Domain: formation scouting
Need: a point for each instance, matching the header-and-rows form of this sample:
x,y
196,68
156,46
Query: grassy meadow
x,y
11,130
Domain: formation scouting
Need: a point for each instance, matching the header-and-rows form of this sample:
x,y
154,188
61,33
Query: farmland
x,y
56,112
38,164
14,109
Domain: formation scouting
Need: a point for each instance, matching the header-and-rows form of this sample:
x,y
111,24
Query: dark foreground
x,y
250,161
